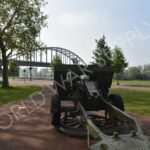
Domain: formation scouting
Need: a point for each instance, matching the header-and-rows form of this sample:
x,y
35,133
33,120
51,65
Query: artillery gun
x,y
83,107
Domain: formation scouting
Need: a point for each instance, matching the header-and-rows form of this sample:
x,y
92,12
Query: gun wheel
x,y
55,110
117,101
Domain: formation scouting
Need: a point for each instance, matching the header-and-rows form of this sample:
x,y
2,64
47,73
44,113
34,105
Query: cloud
x,y
74,20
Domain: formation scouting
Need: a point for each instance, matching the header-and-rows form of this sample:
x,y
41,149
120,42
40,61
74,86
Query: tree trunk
x,y
5,82
117,79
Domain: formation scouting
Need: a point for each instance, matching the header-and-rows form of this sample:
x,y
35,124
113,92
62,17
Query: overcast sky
x,y
75,24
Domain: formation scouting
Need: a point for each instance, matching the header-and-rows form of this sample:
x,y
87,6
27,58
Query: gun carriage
x,y
83,107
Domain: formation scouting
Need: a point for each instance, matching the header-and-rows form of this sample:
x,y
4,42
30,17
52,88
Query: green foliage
x,y
102,53
20,24
134,73
13,67
119,61
56,60
146,71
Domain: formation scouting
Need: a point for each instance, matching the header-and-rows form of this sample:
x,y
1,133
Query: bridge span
x,y
43,57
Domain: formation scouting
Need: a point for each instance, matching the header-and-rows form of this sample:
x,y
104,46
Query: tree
x,y
102,53
135,73
56,60
20,25
119,61
146,71
13,67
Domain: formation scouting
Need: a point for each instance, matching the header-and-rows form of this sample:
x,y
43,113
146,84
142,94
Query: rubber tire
x,y
55,110
117,101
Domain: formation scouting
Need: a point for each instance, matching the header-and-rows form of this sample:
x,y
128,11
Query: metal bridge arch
x,y
42,57
69,54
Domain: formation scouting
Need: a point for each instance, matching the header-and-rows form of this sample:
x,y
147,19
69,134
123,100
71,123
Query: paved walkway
x,y
25,82
30,128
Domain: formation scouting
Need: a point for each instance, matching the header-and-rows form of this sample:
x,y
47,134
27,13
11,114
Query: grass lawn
x,y
133,82
136,100
16,93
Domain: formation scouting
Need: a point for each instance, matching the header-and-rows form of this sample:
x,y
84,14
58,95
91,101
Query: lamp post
x,y
24,71
30,69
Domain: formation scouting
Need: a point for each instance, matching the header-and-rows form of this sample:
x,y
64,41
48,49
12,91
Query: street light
x,y
24,71
30,69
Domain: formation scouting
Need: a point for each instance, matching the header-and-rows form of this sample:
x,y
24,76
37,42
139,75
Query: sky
x,y
75,24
